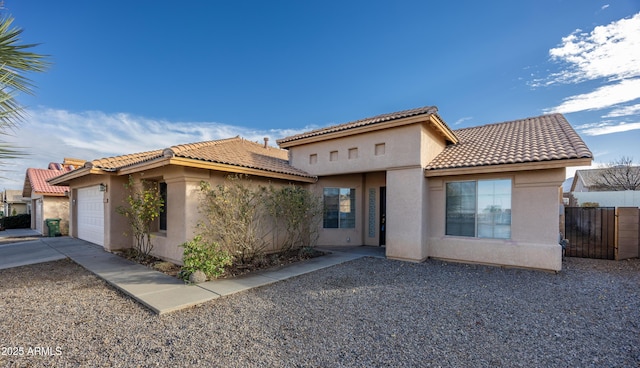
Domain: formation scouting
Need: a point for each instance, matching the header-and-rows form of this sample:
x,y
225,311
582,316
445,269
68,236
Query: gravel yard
x,y
368,312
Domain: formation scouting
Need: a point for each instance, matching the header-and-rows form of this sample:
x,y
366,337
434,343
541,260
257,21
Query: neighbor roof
x,y
536,139
36,181
370,122
235,151
594,179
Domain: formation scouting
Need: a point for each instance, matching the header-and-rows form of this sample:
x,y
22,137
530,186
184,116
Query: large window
x,y
339,208
479,208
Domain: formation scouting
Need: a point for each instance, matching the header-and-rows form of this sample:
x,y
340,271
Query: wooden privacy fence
x,y
602,232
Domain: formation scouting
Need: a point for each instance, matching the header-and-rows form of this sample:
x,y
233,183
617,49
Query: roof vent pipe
x,y
266,142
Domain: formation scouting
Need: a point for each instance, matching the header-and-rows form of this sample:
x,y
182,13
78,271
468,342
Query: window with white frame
x,y
339,208
479,209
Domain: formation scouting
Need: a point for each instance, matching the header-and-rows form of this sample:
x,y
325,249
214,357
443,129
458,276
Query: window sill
x,y
161,233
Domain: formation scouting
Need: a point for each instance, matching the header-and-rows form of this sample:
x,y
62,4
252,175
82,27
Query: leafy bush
x,y
242,217
590,204
298,211
234,217
144,207
203,256
17,222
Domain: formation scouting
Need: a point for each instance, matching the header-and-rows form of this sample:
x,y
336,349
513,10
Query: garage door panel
x,y
90,222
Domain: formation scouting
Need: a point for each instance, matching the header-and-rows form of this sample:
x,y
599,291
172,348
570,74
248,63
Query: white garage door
x,y
91,215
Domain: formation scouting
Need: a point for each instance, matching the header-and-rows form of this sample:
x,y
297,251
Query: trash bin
x,y
54,226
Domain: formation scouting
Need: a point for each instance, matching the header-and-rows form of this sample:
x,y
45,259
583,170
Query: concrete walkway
x,y
159,292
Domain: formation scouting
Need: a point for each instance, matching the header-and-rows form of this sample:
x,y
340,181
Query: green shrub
x,y
17,222
590,204
203,256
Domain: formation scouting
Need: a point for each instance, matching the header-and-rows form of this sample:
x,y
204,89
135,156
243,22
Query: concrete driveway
x,y
15,252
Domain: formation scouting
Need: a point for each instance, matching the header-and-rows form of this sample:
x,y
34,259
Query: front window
x,y
162,220
339,208
479,209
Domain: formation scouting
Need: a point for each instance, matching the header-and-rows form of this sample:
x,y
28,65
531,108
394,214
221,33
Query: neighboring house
x,y
403,180
13,203
587,188
47,201
594,180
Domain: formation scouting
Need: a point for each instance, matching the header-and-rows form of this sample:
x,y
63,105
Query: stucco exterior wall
x,y
117,233
371,216
406,214
534,223
183,206
340,237
56,207
401,147
51,207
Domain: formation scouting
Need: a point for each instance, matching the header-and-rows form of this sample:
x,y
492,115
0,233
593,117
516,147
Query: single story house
x,y
404,180
606,187
13,203
47,201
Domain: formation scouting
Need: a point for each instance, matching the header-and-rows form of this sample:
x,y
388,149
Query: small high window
x,y
333,156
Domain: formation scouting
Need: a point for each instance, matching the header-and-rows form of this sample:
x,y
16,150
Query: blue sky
x,y
130,76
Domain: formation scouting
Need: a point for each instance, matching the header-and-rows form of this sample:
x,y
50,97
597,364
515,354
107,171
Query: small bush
x,y
17,222
206,257
590,204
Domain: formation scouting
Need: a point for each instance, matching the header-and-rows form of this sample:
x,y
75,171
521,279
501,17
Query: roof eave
x,y
239,169
64,179
525,166
145,165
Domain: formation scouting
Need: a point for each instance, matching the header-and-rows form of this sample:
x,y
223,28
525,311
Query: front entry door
x,y
383,216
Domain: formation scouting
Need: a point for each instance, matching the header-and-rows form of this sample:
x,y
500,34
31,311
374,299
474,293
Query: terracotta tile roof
x,y
363,122
118,162
36,181
542,138
232,151
240,152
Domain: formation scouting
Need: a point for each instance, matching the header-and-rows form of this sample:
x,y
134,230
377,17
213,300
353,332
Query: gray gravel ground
x,y
365,313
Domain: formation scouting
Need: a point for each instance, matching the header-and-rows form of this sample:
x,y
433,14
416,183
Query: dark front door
x,y
383,216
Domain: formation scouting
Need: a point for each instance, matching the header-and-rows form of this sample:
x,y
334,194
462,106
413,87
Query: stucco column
x,y
406,214
183,213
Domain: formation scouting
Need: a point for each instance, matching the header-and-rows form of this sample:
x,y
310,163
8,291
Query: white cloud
x,y
623,111
611,51
603,97
604,6
49,135
606,128
462,120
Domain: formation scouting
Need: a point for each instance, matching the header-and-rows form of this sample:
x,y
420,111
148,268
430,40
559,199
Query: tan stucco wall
x,y
402,147
406,214
183,200
534,223
373,182
56,207
52,207
183,188
343,236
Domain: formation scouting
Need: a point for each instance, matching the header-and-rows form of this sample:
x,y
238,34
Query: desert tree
x,y
618,175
